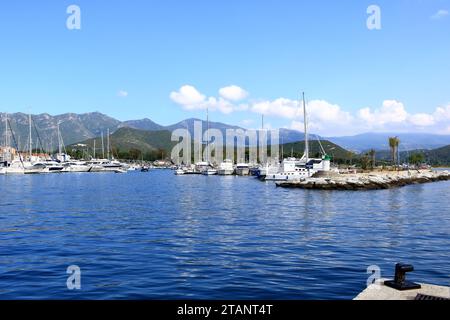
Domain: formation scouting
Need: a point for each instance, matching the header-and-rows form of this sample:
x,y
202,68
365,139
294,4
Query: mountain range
x,y
81,127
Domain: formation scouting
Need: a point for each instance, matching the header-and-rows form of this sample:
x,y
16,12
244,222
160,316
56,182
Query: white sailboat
x,y
306,167
12,165
209,169
109,164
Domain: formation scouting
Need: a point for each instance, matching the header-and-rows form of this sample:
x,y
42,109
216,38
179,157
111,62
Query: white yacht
x,y
16,167
242,169
36,168
210,172
201,166
76,166
226,168
104,165
51,167
2,170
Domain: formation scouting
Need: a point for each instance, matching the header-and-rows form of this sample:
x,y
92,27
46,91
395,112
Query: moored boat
x,y
179,172
76,166
226,168
210,172
242,169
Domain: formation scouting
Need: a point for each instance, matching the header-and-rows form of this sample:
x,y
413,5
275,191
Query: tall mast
x,y
31,142
207,134
94,148
262,121
59,141
107,144
306,129
6,131
103,148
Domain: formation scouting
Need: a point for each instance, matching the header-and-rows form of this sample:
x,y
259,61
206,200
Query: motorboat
x,y
226,168
179,172
51,166
76,166
36,168
104,165
16,167
210,172
242,169
201,166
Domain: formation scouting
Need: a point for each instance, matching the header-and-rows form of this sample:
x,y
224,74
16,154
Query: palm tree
x,y
393,144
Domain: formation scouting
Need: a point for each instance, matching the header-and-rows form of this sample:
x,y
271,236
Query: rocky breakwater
x,y
367,181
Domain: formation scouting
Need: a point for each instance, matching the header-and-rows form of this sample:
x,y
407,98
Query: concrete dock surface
x,y
379,291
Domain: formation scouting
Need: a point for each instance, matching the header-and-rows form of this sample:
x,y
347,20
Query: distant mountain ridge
x,y
379,141
81,127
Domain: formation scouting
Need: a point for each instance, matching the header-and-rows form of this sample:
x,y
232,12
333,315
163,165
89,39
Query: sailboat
x,y
267,168
306,167
11,164
208,169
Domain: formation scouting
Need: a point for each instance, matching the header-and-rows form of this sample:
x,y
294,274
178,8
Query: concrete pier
x,y
379,291
368,181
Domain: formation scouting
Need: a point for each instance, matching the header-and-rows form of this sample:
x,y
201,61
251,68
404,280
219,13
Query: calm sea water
x,y
155,235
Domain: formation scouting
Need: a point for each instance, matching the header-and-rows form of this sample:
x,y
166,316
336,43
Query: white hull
x,y
52,170
209,172
242,171
33,171
97,169
14,171
290,176
179,172
225,172
77,169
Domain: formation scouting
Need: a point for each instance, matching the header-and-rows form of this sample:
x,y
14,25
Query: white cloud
x,y
122,93
191,99
442,113
391,112
284,108
324,118
233,93
440,14
188,97
422,119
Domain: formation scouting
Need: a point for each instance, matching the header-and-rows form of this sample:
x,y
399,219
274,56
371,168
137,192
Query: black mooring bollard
x,y
400,282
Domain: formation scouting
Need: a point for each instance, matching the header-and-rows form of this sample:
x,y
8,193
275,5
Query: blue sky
x,y
132,59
